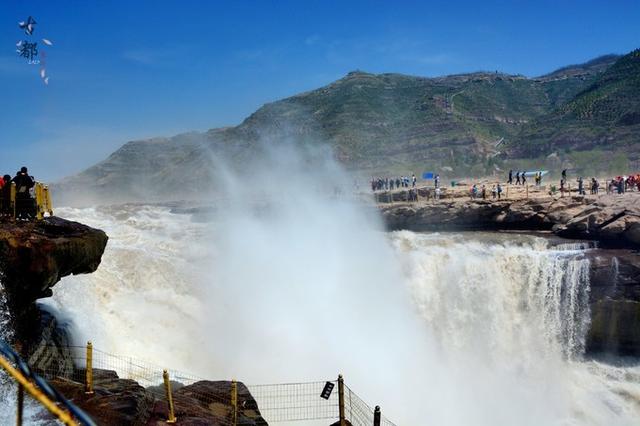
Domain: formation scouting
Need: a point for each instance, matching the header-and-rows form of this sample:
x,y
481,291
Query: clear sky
x,y
123,70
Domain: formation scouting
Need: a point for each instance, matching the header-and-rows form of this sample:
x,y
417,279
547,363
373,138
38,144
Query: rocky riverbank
x,y
612,221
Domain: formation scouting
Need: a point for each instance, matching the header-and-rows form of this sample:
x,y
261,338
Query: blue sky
x,y
123,70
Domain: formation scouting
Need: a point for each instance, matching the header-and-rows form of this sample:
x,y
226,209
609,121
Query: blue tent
x,y
427,175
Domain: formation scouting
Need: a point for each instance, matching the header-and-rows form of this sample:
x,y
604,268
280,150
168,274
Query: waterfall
x,y
501,295
492,331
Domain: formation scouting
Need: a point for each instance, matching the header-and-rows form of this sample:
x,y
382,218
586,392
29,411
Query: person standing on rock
x,y
6,194
580,186
4,200
499,190
436,181
523,175
24,183
518,178
510,180
413,178
564,175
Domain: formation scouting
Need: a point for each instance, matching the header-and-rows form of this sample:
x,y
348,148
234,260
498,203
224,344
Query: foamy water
x,y
447,329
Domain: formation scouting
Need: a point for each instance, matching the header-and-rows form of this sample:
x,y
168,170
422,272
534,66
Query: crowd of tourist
x,y
617,185
389,184
481,192
24,203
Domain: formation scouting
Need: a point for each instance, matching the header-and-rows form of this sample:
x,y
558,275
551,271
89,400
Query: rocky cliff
x,y
615,302
34,256
384,123
611,220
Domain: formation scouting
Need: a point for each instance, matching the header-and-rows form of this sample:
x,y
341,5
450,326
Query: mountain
x,y
603,116
564,83
381,123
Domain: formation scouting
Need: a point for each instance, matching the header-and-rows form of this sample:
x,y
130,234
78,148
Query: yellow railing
x,y
40,390
283,402
41,202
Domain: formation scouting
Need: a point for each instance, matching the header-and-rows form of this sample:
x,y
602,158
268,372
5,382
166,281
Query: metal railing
x,y
283,402
40,204
29,381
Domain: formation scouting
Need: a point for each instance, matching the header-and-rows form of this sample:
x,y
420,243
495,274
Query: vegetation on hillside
x,y
579,116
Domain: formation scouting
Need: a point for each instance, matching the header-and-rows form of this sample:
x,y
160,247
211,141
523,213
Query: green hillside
x,y
392,123
603,116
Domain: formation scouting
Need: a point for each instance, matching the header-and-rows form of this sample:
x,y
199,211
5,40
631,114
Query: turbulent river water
x,y
439,329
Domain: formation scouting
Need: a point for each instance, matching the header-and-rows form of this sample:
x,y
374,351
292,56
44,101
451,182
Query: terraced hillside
x,y
391,123
603,116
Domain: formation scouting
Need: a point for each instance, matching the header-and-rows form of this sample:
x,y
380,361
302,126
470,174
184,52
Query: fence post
x,y
20,405
167,390
377,415
341,400
234,402
39,201
527,191
47,200
88,384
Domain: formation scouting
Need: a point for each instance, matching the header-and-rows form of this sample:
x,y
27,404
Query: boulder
x,y
34,256
119,401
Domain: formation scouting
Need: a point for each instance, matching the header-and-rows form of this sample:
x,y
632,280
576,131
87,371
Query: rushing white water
x,y
32,412
446,329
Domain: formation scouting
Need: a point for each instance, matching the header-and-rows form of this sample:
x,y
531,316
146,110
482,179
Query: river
x,y
438,329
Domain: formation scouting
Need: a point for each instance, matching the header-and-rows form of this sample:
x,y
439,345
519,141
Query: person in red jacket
x,y
5,195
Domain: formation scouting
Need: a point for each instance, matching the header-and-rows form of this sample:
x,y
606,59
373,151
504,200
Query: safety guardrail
x,y
27,380
35,206
283,402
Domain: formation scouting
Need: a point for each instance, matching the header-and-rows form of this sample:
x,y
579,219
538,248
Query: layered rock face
x,y
613,221
34,256
615,302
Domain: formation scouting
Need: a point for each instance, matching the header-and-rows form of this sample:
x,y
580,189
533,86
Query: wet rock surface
x,y
34,256
614,302
610,219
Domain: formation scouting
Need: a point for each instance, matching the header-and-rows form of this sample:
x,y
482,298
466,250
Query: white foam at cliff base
x,y
503,347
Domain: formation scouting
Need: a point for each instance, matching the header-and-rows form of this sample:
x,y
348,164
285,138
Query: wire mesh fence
x,y
266,403
295,401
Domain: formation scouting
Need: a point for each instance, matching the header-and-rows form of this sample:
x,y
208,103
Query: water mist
x,y
288,278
